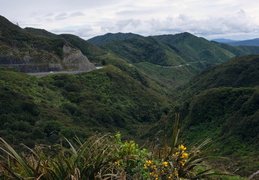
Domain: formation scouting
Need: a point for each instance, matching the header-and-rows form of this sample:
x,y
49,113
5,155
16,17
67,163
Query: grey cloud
x,y
50,14
83,32
76,14
49,17
61,16
123,26
235,23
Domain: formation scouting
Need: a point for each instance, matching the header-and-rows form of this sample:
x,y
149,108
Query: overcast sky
x,y
232,19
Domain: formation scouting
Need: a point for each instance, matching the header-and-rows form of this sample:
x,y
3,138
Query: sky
x,y
211,19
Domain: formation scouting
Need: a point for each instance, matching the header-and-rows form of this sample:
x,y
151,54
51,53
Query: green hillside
x,y
155,58
222,103
35,110
41,32
172,59
249,49
88,49
239,50
101,58
198,48
35,50
14,36
229,116
99,40
232,49
147,49
238,72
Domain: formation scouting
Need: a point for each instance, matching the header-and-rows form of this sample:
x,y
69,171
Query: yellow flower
x,y
148,162
153,167
117,163
165,164
184,155
181,147
181,162
155,175
176,154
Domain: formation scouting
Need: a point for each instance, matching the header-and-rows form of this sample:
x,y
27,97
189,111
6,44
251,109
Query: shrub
x,y
104,157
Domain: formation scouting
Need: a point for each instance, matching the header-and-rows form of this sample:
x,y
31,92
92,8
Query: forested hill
x,y
172,59
238,72
222,103
199,49
40,110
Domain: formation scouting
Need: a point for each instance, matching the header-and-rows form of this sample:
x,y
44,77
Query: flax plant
x,y
105,158
83,161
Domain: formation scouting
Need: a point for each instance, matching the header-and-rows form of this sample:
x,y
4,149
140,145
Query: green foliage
x,y
14,36
143,50
40,109
238,72
249,49
198,48
222,103
102,157
172,59
171,76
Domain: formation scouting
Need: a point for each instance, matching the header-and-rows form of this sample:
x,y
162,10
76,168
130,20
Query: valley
x,y
138,86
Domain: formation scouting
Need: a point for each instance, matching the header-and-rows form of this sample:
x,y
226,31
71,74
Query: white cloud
x,y
147,17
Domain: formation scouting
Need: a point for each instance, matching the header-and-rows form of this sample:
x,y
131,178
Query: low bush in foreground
x,y
101,157
105,157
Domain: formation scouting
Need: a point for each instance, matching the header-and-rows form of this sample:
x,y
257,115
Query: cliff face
x,y
74,60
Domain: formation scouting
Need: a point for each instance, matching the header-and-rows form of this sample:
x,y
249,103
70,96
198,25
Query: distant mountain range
x,y
250,42
174,59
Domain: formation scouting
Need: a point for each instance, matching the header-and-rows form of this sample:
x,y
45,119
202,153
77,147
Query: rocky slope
x,y
31,53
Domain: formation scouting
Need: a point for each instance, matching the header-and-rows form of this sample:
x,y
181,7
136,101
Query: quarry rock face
x,y
75,60
42,61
